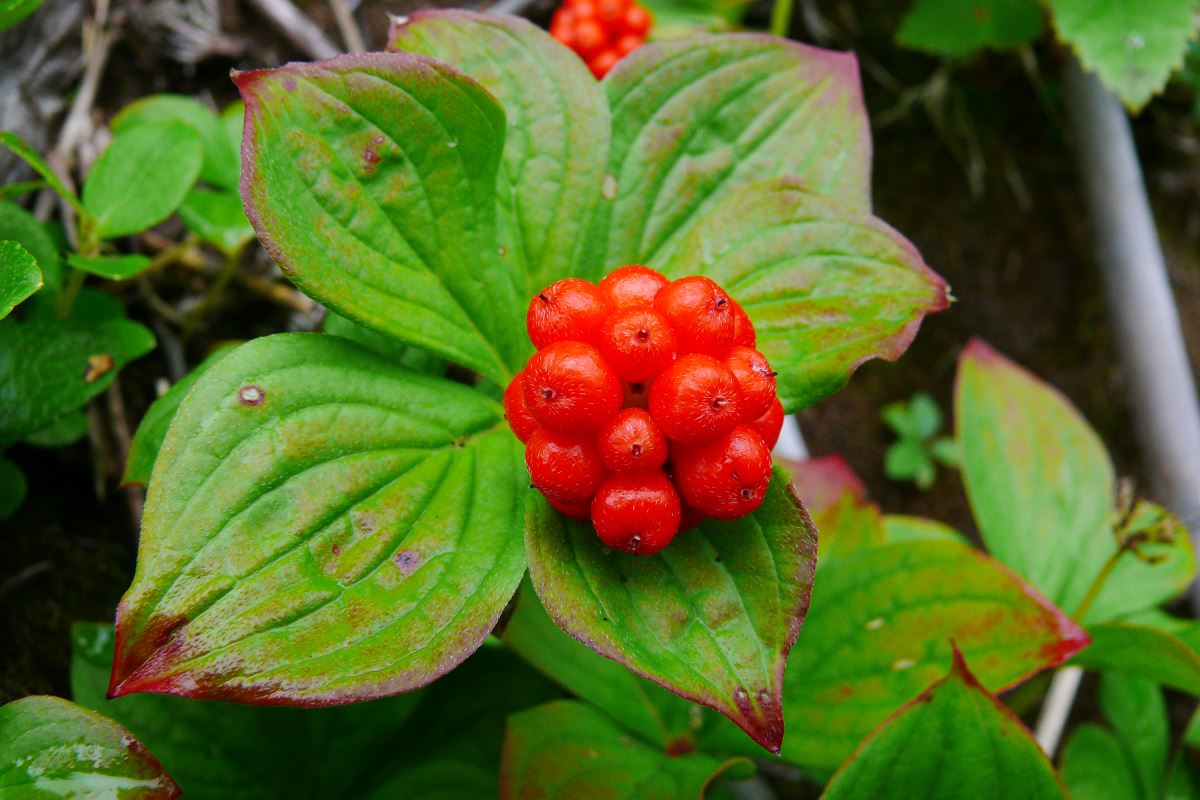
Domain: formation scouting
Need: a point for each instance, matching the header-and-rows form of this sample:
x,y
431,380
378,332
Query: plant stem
x,y
1094,590
66,300
781,17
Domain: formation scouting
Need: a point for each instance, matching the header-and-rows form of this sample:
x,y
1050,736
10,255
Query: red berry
x,y
638,343
565,467
726,478
700,312
743,329
584,9
638,20
589,37
631,442
755,378
603,61
580,510
569,309
636,394
769,424
694,399
636,513
569,387
562,26
633,285
611,12
516,412
626,45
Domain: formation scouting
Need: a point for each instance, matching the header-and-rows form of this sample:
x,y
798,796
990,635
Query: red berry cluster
x,y
602,32
644,391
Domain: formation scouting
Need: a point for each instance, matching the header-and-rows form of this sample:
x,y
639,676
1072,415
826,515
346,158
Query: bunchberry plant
x,y
602,33
918,449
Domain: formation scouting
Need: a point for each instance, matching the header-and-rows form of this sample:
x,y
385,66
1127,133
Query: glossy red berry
x,y
631,442
568,309
700,312
516,412
743,329
636,513
755,378
580,510
638,343
695,399
563,466
769,424
569,387
626,45
726,478
611,12
632,285
638,20
589,37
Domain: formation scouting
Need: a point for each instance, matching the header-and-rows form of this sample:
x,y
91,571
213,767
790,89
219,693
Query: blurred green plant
x,y
918,450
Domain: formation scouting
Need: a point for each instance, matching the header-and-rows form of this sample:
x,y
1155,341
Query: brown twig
x,y
299,29
135,497
347,26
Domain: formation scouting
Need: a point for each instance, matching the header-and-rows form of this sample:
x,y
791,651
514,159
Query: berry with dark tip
x,y
725,478
636,513
638,343
700,312
565,310
695,399
755,379
633,285
570,387
565,467
632,442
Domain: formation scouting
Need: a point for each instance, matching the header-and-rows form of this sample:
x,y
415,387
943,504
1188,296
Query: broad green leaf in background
x,y
321,527
50,367
907,460
1095,766
141,177
917,418
880,629
1041,486
389,162
1133,45
152,430
1138,713
1142,652
19,275
228,751
953,741
114,268
12,488
569,749
697,120
446,779
960,29
828,285
557,135
392,349
903,528
20,226
711,618
217,217
67,429
51,748
837,501
13,11
22,150
221,162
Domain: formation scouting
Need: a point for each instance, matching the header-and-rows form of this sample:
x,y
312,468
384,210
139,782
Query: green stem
x,y
70,293
781,17
1094,590
215,290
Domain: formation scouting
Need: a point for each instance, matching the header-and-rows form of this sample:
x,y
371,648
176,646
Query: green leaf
x,y
114,268
1133,45
321,527
22,150
67,429
946,452
557,137
388,161
1096,767
19,275
698,120
12,488
221,162
919,418
50,367
1041,486
837,501
880,628
569,749
958,30
13,11
828,286
1136,710
20,226
906,460
141,177
392,349
1142,652
217,218
712,617
954,740
447,779
152,430
50,748
903,528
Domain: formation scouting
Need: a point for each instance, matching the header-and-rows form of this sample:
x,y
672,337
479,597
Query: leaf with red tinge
x,y
837,500
322,527
953,741
879,630
712,617
827,285
52,748
569,749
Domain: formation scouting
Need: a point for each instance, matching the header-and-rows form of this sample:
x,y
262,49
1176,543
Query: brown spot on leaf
x,y
680,746
251,395
98,365
407,561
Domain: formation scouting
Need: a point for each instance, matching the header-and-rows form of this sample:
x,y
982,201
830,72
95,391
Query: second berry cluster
x,y
647,407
